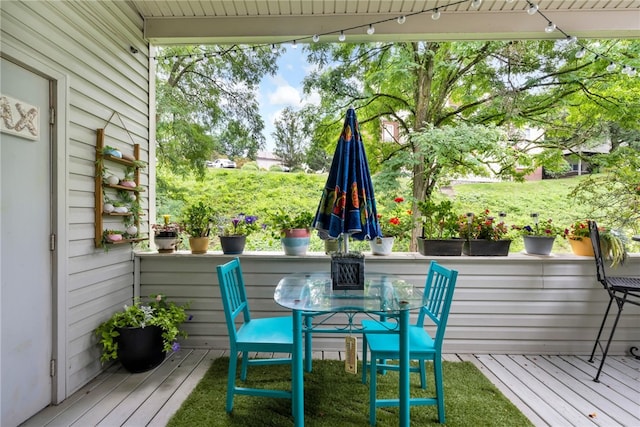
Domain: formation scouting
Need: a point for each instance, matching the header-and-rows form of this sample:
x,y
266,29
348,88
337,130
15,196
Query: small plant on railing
x,y
482,226
545,228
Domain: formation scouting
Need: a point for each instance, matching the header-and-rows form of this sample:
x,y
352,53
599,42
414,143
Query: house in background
x,y
267,159
70,65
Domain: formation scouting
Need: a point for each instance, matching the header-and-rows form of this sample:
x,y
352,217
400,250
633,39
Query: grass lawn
x,y
335,398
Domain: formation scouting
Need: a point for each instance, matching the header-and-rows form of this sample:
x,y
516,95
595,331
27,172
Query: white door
x,y
25,229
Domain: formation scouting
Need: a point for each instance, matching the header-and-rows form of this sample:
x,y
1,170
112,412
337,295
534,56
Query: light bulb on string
x,y
476,4
402,19
632,72
611,67
274,49
550,28
626,70
294,44
342,37
581,53
533,8
436,15
315,38
572,39
371,29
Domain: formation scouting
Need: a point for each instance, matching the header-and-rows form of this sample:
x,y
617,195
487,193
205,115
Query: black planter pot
x,y
447,247
481,247
140,349
233,245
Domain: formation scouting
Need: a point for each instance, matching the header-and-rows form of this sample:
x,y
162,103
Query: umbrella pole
x,y
345,241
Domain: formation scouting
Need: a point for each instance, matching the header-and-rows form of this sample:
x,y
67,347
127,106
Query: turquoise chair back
x,y
437,298
234,297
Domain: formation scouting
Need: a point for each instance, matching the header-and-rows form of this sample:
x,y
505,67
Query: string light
x,y
435,15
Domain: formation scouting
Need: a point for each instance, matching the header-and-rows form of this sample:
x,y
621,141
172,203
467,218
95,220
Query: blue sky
x,y
283,90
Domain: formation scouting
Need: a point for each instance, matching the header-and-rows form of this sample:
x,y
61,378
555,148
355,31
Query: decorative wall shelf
x,y
102,188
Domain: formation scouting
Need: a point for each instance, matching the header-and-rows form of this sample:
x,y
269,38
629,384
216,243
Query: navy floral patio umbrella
x,y
348,205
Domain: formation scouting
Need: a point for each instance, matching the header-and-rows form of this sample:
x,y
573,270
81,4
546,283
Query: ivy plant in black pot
x,y
141,335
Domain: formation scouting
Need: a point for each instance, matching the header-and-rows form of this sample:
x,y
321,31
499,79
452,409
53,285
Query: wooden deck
x,y
549,390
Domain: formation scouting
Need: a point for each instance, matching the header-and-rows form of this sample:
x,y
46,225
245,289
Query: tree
x,y
424,86
614,194
206,103
290,138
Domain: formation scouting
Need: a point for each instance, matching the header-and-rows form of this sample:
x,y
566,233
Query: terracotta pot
x,y
297,232
199,245
581,247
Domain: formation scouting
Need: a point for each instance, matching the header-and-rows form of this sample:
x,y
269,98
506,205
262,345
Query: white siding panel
x,y
89,42
501,305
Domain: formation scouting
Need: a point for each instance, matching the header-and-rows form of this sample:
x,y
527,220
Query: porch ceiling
x,y
259,21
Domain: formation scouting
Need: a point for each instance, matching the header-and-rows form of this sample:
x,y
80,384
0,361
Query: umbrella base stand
x,y
347,271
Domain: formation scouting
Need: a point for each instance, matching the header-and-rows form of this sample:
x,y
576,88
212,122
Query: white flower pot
x,y
382,246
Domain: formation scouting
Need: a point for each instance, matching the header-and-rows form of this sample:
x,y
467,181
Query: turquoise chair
x,y
382,341
272,334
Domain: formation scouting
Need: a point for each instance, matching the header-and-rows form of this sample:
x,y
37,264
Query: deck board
x,y
549,390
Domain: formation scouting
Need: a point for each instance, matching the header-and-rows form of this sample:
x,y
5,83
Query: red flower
x,y
398,200
394,221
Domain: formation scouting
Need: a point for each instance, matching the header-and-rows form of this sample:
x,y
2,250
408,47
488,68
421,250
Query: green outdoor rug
x,y
336,398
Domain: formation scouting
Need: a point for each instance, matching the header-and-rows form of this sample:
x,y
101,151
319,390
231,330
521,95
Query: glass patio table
x,y
310,294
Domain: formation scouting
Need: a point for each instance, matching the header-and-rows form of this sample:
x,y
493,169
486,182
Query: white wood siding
x,y
518,304
89,42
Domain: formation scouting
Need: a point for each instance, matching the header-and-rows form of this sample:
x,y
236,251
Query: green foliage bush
x,y
253,166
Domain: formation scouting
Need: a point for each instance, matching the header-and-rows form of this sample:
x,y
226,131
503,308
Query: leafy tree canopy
x,y
206,103
290,138
425,86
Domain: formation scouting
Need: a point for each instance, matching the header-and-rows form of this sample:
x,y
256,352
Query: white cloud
x,y
285,95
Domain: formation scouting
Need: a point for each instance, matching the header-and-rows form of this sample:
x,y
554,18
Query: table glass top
x,y
313,292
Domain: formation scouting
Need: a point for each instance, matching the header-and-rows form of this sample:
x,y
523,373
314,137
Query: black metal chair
x,y
621,289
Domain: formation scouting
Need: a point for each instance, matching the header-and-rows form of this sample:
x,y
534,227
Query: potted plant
x,y
484,236
395,223
197,222
233,233
611,242
294,229
539,238
112,236
166,236
439,229
140,335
